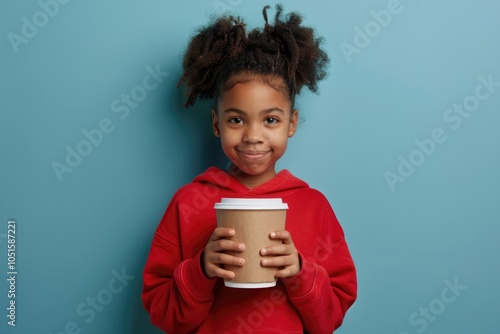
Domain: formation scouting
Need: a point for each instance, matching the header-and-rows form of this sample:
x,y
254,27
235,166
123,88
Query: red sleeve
x,y
326,285
176,292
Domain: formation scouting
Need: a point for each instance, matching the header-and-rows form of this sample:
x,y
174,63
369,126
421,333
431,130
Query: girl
x,y
253,79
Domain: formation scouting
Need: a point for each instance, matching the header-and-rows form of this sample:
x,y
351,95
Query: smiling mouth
x,y
252,155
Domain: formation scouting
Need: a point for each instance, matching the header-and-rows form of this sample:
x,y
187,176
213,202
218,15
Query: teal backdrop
x,y
402,138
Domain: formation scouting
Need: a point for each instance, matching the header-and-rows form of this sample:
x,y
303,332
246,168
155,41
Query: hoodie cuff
x,y
302,283
196,283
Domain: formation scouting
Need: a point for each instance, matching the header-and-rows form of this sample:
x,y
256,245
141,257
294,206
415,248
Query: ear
x,y
215,123
294,121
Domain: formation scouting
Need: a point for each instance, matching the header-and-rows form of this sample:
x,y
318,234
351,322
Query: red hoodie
x,y
181,299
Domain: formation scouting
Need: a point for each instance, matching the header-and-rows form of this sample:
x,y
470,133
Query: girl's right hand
x,y
214,255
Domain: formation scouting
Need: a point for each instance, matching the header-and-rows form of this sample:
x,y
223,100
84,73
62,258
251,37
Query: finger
x,y
281,234
282,249
278,261
222,258
222,232
227,245
217,271
287,272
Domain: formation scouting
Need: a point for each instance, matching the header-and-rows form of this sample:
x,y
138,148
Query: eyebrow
x,y
242,112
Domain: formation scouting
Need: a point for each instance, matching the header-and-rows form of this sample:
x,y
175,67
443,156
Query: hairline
x,y
267,78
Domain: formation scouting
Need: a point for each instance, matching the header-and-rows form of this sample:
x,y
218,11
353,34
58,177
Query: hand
x,y
285,256
214,254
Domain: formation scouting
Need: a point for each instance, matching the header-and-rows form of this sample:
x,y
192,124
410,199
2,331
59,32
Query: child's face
x,y
254,121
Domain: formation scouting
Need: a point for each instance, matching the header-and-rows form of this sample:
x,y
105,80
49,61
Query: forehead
x,y
254,93
274,81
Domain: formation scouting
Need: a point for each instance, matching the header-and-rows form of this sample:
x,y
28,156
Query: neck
x,y
251,181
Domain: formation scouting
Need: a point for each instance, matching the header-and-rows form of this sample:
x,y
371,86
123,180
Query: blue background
x,y
440,224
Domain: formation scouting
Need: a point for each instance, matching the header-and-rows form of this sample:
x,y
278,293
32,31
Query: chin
x,y
254,171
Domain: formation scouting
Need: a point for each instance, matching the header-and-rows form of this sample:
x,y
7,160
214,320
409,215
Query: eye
x,y
235,120
271,120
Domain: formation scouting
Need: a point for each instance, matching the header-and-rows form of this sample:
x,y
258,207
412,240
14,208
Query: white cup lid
x,y
251,204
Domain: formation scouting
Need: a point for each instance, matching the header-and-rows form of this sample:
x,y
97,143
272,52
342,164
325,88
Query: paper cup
x,y
252,219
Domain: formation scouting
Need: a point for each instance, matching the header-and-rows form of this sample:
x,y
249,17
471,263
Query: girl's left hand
x,y
284,256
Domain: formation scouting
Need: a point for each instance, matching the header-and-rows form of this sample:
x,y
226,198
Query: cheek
x,y
229,139
279,139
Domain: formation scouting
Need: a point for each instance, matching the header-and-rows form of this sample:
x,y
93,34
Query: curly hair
x,y
223,48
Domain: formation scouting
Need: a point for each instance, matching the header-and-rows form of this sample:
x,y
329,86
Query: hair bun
x,y
222,48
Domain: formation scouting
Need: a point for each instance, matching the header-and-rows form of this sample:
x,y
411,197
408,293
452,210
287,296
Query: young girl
x,y
253,79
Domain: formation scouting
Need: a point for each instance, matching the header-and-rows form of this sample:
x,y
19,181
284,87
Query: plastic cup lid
x,y
251,204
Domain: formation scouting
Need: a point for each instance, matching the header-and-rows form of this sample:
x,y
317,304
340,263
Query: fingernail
x,y
263,251
264,262
273,234
241,247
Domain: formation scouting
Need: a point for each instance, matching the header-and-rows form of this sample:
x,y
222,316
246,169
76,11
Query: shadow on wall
x,y
198,137
137,314
204,150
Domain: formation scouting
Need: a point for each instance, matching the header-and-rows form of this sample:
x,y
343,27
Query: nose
x,y
253,134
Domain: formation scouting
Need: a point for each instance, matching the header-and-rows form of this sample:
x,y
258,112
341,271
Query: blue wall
x,y
403,139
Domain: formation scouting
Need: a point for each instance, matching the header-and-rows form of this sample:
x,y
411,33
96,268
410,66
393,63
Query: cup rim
x,y
251,204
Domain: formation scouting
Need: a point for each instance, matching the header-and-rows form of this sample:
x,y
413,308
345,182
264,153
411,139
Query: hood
x,y
282,184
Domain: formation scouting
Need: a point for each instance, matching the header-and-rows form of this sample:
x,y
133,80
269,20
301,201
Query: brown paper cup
x,y
253,220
